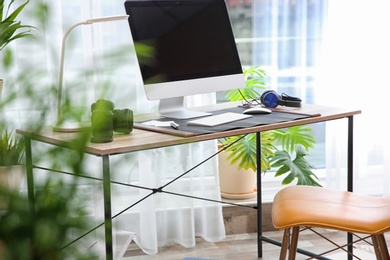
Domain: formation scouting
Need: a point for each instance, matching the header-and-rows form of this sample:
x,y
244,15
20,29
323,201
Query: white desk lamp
x,y
75,126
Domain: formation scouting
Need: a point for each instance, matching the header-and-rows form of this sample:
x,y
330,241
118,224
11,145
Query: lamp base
x,y
71,127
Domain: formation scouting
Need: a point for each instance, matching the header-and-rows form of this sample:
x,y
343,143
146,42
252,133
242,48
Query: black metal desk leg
x,y
259,197
350,173
350,154
29,172
107,206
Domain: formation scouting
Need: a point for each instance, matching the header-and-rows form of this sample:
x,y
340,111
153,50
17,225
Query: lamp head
x,y
106,19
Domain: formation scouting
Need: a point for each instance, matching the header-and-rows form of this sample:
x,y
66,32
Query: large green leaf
x,y
243,151
1,10
290,137
10,29
299,168
254,78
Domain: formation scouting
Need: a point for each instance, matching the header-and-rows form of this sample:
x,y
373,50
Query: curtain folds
x,y
287,39
162,218
333,53
104,53
166,218
354,68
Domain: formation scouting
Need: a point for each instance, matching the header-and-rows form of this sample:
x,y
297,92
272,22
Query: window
x,y
284,37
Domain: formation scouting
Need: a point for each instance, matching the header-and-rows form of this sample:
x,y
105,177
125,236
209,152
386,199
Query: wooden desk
x,y
140,140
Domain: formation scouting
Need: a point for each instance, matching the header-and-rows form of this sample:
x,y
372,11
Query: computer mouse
x,y
257,110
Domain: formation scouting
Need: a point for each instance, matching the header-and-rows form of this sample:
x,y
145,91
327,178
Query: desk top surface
x,y
140,139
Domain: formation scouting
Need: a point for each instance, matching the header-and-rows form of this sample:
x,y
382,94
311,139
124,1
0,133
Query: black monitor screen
x,y
189,39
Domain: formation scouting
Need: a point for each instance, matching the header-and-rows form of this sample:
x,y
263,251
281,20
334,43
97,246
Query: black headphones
x,y
271,99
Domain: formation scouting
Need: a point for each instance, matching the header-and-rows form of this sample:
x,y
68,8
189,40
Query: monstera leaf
x,y
288,138
243,151
254,78
299,168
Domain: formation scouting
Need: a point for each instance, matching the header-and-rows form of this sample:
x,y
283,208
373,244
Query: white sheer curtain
x,y
287,39
354,72
333,53
162,218
286,42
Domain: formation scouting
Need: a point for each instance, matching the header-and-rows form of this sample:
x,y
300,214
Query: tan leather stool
x,y
308,206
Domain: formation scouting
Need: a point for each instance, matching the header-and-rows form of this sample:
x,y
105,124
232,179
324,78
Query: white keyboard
x,y
218,119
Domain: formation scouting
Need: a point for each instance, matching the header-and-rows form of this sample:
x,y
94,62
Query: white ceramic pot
x,y
234,183
11,177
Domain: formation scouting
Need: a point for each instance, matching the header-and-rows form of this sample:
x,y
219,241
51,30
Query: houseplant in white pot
x,y
11,167
277,149
11,147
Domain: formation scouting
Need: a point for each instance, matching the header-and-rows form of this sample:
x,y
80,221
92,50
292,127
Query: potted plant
x,y
11,147
10,30
277,148
11,168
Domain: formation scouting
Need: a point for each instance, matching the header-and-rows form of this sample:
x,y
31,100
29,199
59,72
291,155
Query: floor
x,y
244,247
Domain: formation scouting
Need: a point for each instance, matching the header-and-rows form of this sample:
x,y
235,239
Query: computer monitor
x,y
193,50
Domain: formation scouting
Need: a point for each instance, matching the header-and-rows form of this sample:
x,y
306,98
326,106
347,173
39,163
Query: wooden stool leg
x,y
294,243
285,244
376,245
381,251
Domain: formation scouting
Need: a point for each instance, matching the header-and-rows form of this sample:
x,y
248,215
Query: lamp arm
x,y
61,76
61,73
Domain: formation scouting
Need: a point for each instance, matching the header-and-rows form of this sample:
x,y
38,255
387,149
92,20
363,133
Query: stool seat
x,y
333,209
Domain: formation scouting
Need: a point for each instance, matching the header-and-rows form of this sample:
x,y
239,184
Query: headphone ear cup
x,y
290,101
270,98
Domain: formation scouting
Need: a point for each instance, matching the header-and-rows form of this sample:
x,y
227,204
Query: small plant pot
x,y
11,178
235,183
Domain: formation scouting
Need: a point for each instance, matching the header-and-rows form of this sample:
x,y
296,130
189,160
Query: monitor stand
x,y
174,108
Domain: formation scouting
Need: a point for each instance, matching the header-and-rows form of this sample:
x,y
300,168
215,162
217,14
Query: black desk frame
x,y
107,184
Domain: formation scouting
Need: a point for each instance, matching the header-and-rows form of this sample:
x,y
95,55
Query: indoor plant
x,y
277,146
11,168
10,30
11,147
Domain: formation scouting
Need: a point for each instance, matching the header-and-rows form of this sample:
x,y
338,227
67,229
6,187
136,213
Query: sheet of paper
x,y
157,123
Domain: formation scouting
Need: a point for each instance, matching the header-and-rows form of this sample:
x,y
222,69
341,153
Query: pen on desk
x,y
174,125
